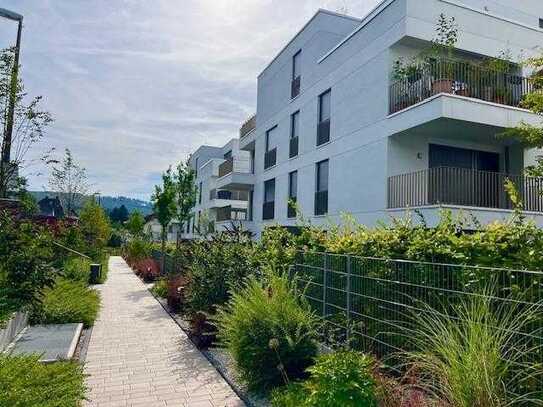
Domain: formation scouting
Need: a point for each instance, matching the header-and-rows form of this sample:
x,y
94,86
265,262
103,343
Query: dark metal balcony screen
x,y
226,167
295,87
293,148
463,187
291,207
268,210
459,78
321,203
323,132
248,126
270,158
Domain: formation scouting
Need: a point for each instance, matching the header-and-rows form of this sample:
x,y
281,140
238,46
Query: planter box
x,y
15,325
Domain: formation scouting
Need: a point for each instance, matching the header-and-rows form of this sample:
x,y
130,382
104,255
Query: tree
x,y
164,204
530,135
95,227
70,181
30,122
186,192
119,214
135,223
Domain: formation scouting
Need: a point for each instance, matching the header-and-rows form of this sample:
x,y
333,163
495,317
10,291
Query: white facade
x,y
383,158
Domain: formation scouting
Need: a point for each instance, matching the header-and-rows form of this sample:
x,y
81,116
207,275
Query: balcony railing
x,y
321,203
293,147
268,210
228,213
229,195
323,132
463,187
248,126
270,158
459,78
226,167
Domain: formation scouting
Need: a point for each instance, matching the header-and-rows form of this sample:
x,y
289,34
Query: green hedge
x,y
67,302
25,382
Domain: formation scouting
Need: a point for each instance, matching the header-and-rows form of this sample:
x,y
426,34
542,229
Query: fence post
x,y
348,288
325,283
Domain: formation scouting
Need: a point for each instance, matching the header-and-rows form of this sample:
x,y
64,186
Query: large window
x,y
294,131
196,167
323,129
296,75
200,193
270,155
292,194
268,209
321,188
541,23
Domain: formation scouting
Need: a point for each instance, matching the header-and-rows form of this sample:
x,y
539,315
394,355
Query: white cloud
x,y
136,85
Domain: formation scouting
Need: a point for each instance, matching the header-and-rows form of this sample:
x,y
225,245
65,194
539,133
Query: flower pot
x,y
442,86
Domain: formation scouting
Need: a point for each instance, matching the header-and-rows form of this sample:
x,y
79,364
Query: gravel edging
x,y
217,357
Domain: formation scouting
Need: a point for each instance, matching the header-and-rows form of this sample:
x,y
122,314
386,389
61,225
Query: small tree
x,y
70,181
185,195
135,223
30,122
164,206
95,227
531,135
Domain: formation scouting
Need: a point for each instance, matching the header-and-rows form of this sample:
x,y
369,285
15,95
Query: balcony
x,y
248,126
458,78
462,187
226,167
293,147
270,158
321,203
268,210
231,214
235,173
221,199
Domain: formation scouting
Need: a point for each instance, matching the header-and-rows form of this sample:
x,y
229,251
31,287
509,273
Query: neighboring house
x,y
153,229
335,132
51,207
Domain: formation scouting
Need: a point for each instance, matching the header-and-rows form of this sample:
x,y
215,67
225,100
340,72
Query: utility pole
x,y
8,133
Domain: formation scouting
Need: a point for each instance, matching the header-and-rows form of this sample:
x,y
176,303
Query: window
x,y
541,23
196,167
270,156
323,129
292,193
268,208
200,193
321,188
296,75
294,130
227,155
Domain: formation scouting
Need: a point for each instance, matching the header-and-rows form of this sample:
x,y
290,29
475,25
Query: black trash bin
x,y
95,273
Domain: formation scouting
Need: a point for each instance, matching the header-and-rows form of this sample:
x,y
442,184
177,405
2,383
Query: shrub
x,y
27,382
160,288
176,291
67,302
337,379
136,250
147,269
95,227
266,326
218,267
77,269
473,355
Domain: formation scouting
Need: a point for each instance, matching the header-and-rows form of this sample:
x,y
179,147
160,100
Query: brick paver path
x,y
138,356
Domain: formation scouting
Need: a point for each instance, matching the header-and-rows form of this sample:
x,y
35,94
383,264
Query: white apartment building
x,y
337,133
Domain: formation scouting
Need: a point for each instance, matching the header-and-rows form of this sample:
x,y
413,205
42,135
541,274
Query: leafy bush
x,y
267,326
27,382
77,269
26,254
147,269
137,250
67,302
337,379
218,267
95,227
473,355
160,289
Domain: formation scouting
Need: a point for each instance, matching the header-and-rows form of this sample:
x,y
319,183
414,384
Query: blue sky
x,y
136,85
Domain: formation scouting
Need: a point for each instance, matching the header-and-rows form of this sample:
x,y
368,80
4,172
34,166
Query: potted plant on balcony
x,y
441,55
495,75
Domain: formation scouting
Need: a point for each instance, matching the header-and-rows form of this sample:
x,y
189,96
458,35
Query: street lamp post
x,y
6,145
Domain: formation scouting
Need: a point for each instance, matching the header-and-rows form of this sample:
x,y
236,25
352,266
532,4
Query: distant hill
x,y
109,202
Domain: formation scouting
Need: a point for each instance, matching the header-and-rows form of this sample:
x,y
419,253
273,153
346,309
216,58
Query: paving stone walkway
x,y
138,356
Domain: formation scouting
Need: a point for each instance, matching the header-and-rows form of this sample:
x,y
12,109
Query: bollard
x,y
95,273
